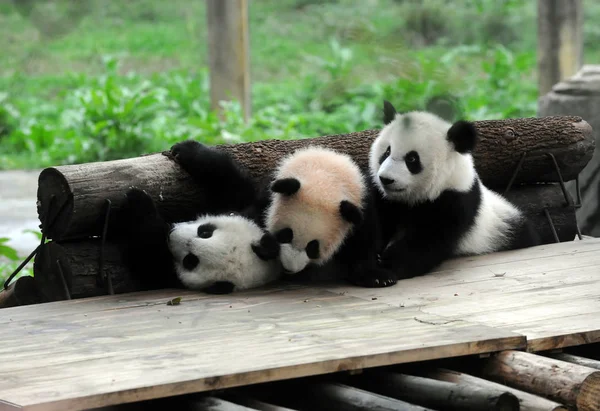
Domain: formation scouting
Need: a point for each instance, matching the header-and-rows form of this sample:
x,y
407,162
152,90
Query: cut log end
x,y
23,291
588,398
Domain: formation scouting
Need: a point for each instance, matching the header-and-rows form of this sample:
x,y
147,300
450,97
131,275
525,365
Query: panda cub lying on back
x,y
216,253
432,202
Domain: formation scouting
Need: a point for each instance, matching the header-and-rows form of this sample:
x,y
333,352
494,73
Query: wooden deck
x,y
88,353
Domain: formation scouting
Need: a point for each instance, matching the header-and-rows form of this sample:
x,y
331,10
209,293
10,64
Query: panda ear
x,y
350,212
463,135
389,112
286,186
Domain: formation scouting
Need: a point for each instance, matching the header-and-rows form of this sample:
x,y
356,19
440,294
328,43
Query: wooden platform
x,y
89,353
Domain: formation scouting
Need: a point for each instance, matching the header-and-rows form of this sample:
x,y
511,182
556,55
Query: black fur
x,y
230,189
268,248
419,238
429,231
143,231
389,112
463,135
286,186
350,212
413,162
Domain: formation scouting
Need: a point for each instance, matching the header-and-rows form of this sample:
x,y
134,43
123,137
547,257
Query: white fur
x,y
494,221
443,168
226,256
313,213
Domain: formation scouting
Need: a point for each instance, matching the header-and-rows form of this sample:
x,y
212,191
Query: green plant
x,y
6,251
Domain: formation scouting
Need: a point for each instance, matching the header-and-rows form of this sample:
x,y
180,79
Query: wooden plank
x,y
96,356
229,53
560,41
549,293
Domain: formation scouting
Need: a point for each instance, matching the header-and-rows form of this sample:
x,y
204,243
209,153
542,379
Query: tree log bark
x,y
83,189
80,264
570,384
80,259
533,199
23,291
528,402
438,394
326,396
575,359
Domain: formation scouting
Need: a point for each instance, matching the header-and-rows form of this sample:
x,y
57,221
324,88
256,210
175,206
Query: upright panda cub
x,y
432,202
317,204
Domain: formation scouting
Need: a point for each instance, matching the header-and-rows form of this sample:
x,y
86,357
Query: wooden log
x,y
249,401
575,359
23,291
570,384
527,401
327,396
437,394
533,199
80,259
80,264
82,190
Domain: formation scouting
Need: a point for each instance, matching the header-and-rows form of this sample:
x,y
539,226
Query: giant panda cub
x,y
317,204
432,203
215,253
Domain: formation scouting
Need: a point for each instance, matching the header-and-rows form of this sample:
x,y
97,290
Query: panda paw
x,y
268,247
220,287
374,278
139,202
186,152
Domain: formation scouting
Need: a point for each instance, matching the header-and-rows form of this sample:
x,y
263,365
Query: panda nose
x,y
386,181
190,261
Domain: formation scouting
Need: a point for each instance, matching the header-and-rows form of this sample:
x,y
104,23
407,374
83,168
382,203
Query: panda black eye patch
x,y
285,235
312,249
385,155
413,162
206,230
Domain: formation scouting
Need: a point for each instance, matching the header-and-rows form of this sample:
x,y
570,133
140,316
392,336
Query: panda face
x,y
418,155
316,201
219,249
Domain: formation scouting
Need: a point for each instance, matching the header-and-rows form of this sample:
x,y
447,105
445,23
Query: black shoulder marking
x,y
463,135
351,212
419,238
286,186
389,112
220,287
268,248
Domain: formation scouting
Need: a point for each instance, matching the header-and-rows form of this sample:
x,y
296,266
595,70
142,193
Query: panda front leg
x,y
412,256
223,180
145,249
361,255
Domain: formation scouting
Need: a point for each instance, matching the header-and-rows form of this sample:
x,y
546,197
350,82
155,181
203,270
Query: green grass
x,y
119,79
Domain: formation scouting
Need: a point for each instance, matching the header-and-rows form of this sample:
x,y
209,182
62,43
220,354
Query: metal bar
x,y
102,242
517,169
62,278
568,198
20,267
578,191
551,225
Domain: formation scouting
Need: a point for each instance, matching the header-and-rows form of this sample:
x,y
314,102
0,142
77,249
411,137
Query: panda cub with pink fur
x,y
431,202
